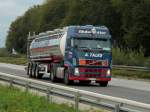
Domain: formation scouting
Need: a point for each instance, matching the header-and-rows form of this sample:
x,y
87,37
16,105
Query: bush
x,y
7,57
121,57
147,62
131,74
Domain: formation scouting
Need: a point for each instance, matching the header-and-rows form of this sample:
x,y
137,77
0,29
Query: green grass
x,y
19,60
14,100
6,57
131,74
129,57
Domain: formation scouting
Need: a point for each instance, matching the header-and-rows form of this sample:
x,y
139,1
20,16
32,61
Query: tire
x,y
30,70
66,78
27,70
37,74
103,83
33,70
53,77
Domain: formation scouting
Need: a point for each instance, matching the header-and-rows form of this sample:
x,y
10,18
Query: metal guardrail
x,y
132,68
80,96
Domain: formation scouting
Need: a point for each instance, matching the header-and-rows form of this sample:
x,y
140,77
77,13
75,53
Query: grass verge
x,y
19,60
131,74
6,57
129,57
14,100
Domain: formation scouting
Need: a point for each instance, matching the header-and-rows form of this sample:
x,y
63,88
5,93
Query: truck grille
x,y
92,72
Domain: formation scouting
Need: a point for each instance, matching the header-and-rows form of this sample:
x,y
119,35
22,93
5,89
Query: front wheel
x,y
66,78
103,83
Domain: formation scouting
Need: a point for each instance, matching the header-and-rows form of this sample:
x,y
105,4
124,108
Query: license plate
x,y
92,79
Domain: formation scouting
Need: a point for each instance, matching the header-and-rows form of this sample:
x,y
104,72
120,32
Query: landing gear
x,y
53,77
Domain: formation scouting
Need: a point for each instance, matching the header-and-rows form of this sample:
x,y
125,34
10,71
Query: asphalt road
x,y
123,88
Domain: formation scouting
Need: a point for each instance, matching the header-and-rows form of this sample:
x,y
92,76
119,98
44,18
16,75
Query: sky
x,y
9,11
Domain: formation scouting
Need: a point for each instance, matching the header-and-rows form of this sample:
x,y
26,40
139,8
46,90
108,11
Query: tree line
x,y
128,21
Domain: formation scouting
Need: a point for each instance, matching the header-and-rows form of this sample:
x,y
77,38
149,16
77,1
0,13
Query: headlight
x,y
108,72
76,72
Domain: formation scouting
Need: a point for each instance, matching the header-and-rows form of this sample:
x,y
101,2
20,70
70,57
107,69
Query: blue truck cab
x,y
88,54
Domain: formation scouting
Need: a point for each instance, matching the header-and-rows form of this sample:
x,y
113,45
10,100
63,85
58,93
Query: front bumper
x,y
93,74
85,79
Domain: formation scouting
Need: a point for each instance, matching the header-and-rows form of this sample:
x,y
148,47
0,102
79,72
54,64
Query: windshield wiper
x,y
86,48
98,48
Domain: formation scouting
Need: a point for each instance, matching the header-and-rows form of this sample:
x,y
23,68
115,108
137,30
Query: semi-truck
x,y
72,54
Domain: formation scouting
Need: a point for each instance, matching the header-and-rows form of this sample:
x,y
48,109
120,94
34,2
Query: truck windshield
x,y
92,43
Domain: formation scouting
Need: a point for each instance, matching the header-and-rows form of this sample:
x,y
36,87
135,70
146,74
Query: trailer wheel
x,y
66,78
37,74
103,83
33,70
30,70
53,77
27,69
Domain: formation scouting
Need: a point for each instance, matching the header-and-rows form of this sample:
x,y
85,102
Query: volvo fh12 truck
x,y
74,53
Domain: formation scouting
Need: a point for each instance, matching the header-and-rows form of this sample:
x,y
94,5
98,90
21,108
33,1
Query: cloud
x,y
9,11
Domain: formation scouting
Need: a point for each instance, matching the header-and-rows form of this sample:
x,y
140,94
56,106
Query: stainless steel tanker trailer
x,y
72,54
